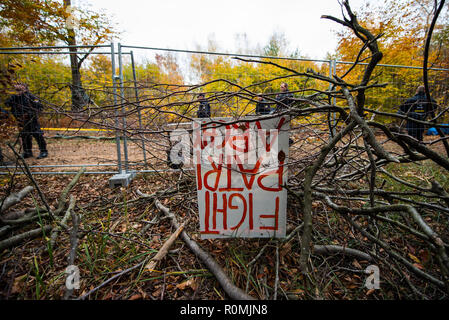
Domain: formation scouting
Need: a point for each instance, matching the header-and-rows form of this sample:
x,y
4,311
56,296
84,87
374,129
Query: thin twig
x,y
233,291
30,175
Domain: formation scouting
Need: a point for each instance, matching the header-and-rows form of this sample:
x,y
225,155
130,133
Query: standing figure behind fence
x,y
418,108
25,107
284,98
262,106
204,107
284,101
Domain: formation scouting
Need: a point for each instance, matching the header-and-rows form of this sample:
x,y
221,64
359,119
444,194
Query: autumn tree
x,y
401,28
39,22
238,75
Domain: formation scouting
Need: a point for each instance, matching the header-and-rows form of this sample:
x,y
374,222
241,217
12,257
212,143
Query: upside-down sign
x,y
240,173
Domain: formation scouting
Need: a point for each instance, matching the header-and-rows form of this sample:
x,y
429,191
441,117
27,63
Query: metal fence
x,y
124,128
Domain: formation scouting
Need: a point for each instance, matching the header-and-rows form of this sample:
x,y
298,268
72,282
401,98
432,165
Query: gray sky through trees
x,y
185,24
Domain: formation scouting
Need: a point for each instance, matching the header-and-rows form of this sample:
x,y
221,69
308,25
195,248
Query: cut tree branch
x,y
232,291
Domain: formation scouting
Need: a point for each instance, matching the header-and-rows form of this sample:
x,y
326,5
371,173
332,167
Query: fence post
x,y
332,116
136,92
122,99
114,93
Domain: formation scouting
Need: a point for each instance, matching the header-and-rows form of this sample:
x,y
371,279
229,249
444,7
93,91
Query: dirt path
x,y
101,155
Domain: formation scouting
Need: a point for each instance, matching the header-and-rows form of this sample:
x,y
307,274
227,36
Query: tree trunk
x,y
79,97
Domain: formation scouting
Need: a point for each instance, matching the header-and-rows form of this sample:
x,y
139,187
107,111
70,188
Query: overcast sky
x,y
183,24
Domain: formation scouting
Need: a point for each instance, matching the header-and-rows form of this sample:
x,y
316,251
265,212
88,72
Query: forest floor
x,y
119,229
66,150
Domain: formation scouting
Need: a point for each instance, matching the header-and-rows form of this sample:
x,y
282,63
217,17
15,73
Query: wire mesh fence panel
x,y
118,114
76,122
165,91
395,84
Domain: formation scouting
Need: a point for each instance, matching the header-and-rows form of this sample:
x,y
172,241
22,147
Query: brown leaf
x,y
136,297
369,292
17,286
156,293
419,266
191,283
356,264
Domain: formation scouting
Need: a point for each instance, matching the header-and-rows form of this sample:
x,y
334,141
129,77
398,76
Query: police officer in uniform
x,y
262,106
284,98
204,108
25,107
418,108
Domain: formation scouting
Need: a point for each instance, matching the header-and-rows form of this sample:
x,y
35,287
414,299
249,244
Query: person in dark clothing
x,y
25,107
284,98
204,108
262,106
418,108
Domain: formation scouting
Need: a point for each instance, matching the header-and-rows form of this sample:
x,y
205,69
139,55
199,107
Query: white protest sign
x,y
240,171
